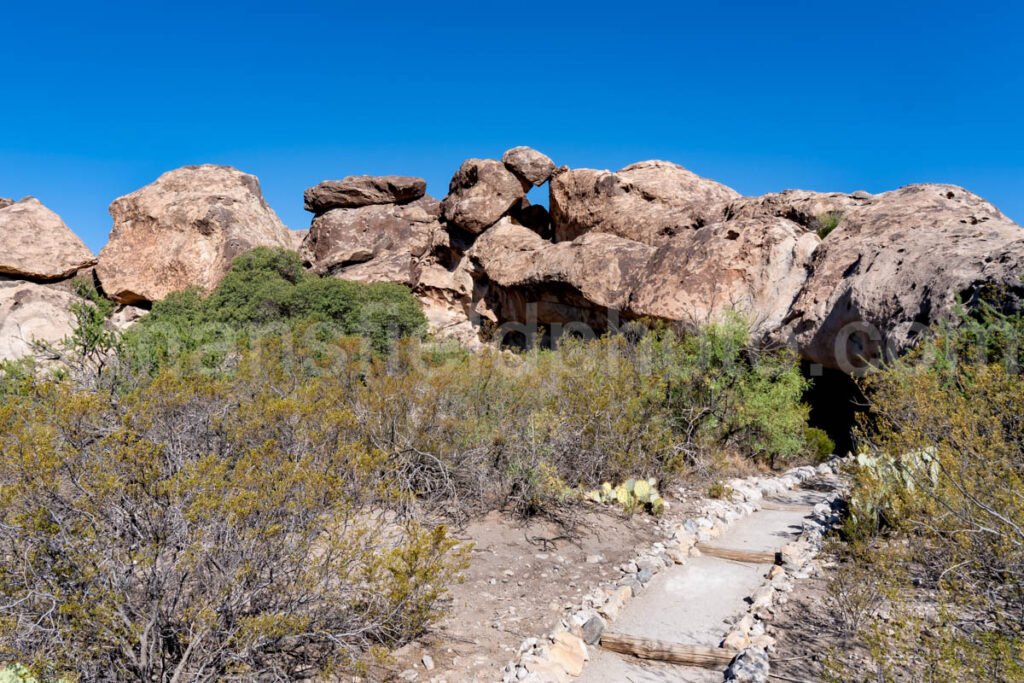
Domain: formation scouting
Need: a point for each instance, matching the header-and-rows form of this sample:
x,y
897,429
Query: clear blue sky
x,y
97,99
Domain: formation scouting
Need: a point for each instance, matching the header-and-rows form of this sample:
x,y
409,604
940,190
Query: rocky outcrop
x,y
36,244
31,314
531,280
897,264
752,266
341,239
812,210
646,202
183,230
4,202
481,192
529,165
363,190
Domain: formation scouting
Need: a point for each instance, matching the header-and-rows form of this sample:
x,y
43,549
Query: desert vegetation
x,y
261,481
931,583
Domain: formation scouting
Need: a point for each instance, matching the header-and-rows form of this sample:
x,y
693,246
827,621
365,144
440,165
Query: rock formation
x,y
342,239
842,278
183,230
364,190
35,243
647,202
896,264
656,240
481,192
529,165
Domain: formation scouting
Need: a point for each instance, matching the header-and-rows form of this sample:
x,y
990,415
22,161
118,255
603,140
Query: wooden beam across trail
x,y
751,556
673,653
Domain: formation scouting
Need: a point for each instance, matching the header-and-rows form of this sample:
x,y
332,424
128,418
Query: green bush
x,y
940,485
819,445
827,222
267,292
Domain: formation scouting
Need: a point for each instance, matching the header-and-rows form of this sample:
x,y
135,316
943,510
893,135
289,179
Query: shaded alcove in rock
x,y
835,401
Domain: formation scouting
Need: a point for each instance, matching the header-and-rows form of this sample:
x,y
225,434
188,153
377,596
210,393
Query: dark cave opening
x,y
835,401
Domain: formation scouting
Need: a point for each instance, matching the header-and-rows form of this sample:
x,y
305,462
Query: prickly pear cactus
x,y
631,495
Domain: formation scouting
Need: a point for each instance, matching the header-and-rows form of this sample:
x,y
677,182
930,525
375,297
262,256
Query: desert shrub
x,y
268,293
205,529
819,446
719,490
942,479
827,222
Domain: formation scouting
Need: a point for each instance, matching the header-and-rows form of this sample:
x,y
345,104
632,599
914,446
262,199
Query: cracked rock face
x,y
647,202
36,244
183,230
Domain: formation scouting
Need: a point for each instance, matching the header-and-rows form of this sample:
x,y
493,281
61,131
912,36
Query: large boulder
x,y
896,265
481,192
183,230
646,202
752,266
342,239
529,165
363,190
36,244
530,280
31,313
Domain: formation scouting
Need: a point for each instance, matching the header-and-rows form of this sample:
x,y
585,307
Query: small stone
x,y
592,630
612,607
749,666
428,662
595,559
736,641
408,675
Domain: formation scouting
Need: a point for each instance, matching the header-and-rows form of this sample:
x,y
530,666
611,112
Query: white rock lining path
x,y
707,592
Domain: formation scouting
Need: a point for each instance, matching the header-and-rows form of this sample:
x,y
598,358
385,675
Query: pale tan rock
x,y
36,244
544,670
569,652
29,313
646,202
613,606
183,230
736,641
811,210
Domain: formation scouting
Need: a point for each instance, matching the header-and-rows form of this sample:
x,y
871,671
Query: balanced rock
x,y
36,244
363,190
388,234
585,280
647,202
183,230
896,265
32,313
529,165
481,192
